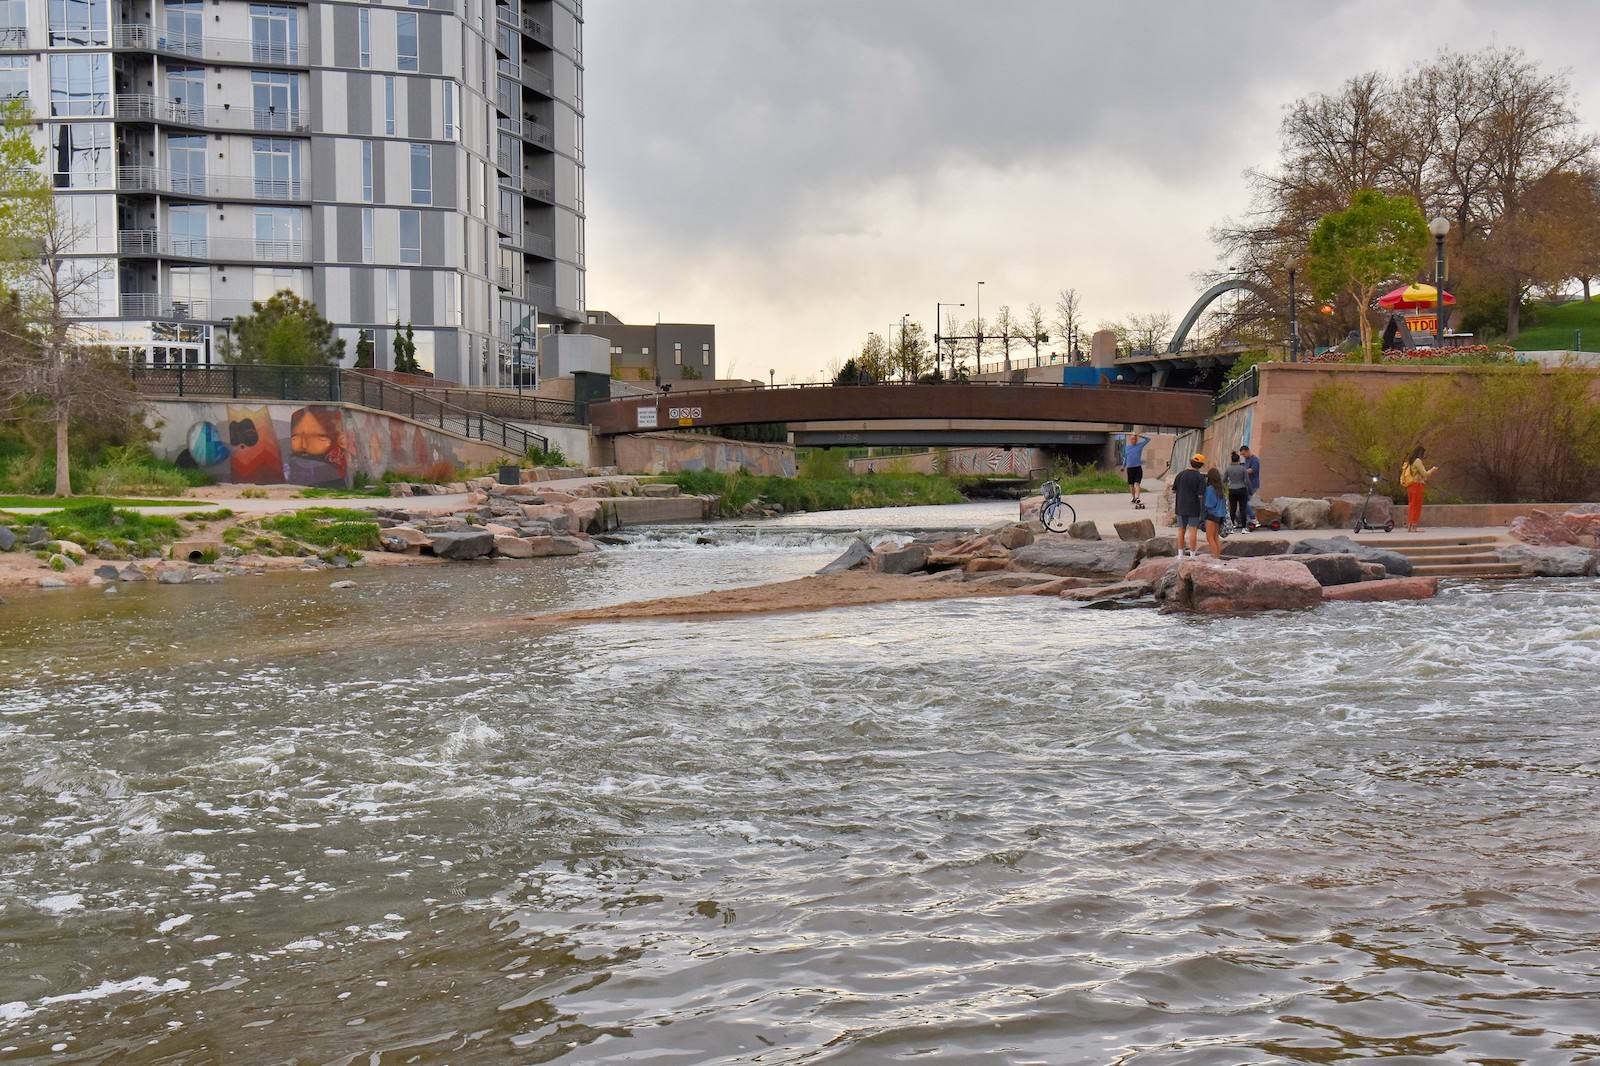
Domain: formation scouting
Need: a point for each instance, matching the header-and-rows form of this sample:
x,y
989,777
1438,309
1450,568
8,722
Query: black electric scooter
x,y
1361,519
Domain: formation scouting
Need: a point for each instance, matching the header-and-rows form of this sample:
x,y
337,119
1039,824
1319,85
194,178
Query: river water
x,y
267,821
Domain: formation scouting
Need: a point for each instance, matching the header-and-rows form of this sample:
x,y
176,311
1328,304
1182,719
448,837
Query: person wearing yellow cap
x,y
1188,505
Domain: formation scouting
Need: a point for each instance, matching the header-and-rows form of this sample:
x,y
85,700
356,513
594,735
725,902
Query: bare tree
x,y
1148,332
1069,314
51,368
1005,328
1036,330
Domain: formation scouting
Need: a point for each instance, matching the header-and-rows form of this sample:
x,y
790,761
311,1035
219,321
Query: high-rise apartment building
x,y
412,161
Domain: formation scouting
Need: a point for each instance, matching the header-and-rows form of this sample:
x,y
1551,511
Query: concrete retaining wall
x,y
661,453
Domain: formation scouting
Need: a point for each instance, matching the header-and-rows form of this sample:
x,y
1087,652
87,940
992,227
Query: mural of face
x,y
318,454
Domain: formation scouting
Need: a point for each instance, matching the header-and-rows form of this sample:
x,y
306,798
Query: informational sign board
x,y
647,417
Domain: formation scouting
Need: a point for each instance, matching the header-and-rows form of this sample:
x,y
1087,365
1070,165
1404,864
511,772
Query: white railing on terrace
x,y
142,106
540,135
218,186
538,80
151,242
159,307
210,49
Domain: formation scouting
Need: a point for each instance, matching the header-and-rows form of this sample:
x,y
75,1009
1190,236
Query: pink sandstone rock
x,y
1542,528
981,566
1582,524
1152,569
1389,588
1211,587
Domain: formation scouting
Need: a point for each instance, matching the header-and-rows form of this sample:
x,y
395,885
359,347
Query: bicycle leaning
x,y
1056,514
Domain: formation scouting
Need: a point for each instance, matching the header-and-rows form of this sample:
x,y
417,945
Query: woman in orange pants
x,y
1415,477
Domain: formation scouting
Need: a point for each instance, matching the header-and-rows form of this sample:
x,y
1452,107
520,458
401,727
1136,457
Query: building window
x,y
277,168
364,37
13,77
366,171
185,19
644,351
274,34
277,232
186,158
449,110
421,174
393,296
269,281
677,354
411,237
80,85
79,23
388,105
186,228
276,98
83,155
405,35
705,355
366,234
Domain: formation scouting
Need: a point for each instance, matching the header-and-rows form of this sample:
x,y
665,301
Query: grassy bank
x,y
1556,327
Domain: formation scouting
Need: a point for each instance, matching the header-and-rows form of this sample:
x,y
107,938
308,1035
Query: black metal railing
x,y
307,384
301,384
1247,387
509,406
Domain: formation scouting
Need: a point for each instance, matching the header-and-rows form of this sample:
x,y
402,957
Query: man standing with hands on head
x,y
1133,459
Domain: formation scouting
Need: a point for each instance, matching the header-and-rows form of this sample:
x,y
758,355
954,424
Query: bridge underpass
x,y
997,435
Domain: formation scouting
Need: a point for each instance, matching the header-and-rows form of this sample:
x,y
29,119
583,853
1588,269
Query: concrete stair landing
x,y
1442,554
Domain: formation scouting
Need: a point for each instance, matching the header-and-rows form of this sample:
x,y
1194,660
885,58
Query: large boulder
x,y
1137,530
1393,562
1388,589
1543,529
1337,569
473,544
1344,510
512,547
1553,561
407,540
8,539
1152,569
1210,587
1083,529
1240,547
907,560
1063,557
858,554
1013,536
1303,514
546,547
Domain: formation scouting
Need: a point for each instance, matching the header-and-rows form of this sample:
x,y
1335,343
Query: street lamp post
x,y
905,362
936,364
1294,324
977,320
1438,227
772,378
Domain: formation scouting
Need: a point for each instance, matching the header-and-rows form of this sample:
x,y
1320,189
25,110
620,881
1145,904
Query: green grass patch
x,y
327,527
89,523
1091,479
8,503
366,492
207,516
1556,325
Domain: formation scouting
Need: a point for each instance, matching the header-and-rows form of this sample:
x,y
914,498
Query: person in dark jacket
x,y
1188,505
1237,478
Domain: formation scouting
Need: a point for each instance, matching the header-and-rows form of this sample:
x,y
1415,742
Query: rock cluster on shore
x,y
1255,574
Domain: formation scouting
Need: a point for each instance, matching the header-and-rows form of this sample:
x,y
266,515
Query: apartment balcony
x,y
532,27
539,190
208,186
159,307
142,107
540,296
153,244
543,136
538,81
209,49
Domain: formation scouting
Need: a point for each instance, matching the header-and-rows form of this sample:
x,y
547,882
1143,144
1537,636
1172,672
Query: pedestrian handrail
x,y
1246,388
506,406
322,384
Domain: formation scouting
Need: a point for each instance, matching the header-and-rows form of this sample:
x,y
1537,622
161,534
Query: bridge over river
x,y
1024,414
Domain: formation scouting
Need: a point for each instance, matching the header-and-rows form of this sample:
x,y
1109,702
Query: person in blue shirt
x,y
1216,505
1133,459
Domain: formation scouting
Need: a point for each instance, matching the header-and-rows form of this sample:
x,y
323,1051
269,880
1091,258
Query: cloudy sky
x,y
802,174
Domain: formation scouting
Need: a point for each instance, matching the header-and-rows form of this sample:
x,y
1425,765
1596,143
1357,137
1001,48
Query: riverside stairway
x,y
1443,554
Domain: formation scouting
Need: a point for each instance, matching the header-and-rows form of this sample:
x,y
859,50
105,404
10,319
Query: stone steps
x,y
1445,554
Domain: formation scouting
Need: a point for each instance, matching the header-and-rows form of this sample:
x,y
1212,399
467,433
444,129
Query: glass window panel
x,y
80,84
276,99
79,23
186,228
411,237
274,34
185,22
277,168
388,105
366,171
186,158
421,174
366,234
364,27
82,156
13,77
405,32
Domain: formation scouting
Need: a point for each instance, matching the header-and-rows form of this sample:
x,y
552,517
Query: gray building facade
x,y
411,161
667,352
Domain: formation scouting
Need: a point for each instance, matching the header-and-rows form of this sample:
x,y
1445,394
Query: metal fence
x,y
331,385
1246,388
507,406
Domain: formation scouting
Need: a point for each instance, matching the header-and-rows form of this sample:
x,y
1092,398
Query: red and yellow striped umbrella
x,y
1413,297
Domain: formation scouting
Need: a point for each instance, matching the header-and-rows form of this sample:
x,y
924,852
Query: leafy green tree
x,y
1377,240
50,370
405,351
284,330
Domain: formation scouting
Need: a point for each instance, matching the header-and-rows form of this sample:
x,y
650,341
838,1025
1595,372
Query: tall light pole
x,y
1294,324
1438,227
977,321
936,309
905,362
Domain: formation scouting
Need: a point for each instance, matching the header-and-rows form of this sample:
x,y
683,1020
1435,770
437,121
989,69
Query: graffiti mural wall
x,y
646,453
317,445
